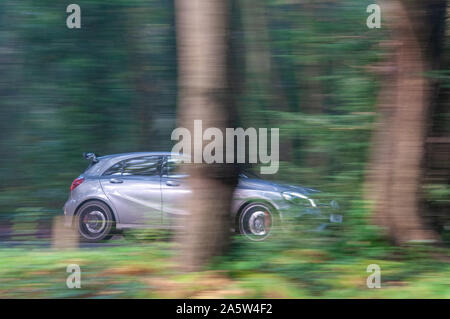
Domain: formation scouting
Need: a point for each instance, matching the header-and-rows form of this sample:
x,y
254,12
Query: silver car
x,y
148,189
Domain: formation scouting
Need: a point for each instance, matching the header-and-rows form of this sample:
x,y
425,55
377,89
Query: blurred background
x,y
363,115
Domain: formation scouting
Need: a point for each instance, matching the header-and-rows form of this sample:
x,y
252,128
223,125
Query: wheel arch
x,y
77,210
249,202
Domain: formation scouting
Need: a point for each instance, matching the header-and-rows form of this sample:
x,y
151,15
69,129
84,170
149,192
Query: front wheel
x,y
95,222
256,221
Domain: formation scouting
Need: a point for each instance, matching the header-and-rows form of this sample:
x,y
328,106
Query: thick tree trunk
x,y
202,38
380,170
398,143
311,99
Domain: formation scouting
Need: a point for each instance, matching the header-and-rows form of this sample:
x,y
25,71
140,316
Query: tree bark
x,y
202,40
396,167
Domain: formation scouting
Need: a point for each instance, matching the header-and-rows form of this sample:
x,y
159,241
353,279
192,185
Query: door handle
x,y
115,181
172,183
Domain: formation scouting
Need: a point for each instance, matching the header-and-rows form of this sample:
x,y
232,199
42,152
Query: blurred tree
x,y
312,100
396,168
302,66
202,39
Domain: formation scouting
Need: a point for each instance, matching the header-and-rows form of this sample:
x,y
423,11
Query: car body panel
x,y
137,199
91,190
174,193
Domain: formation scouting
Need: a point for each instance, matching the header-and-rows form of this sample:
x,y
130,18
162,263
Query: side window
x,y
142,166
173,168
116,169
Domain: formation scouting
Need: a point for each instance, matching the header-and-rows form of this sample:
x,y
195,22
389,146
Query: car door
x,y
174,191
134,188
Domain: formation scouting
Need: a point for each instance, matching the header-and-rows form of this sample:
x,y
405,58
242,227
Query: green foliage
x,y
112,87
286,266
105,88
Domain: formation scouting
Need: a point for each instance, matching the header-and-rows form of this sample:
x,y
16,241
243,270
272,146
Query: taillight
x,y
76,182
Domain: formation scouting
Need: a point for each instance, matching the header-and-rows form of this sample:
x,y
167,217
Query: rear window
x,y
114,170
142,166
91,164
138,166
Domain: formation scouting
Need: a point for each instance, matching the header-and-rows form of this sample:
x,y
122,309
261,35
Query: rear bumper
x,y
69,211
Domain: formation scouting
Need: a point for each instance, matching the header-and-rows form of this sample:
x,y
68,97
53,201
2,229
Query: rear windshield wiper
x,y
91,157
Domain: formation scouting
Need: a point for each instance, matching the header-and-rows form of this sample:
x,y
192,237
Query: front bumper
x,y
320,216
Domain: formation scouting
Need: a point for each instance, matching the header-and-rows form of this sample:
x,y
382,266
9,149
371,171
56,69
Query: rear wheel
x,y
95,221
256,221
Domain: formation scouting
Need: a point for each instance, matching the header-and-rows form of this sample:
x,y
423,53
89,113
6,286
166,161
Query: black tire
x,y
95,222
256,221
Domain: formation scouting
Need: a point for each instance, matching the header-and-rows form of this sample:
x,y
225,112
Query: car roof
x,y
133,154
106,161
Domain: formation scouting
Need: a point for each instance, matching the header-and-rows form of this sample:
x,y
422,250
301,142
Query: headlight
x,y
294,196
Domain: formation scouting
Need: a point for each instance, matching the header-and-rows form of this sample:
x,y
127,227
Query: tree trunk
x,y
396,166
202,40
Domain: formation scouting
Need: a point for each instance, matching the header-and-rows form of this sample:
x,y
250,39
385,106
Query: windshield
x,y
249,174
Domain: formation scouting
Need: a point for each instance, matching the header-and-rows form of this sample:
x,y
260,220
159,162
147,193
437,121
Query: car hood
x,y
259,184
